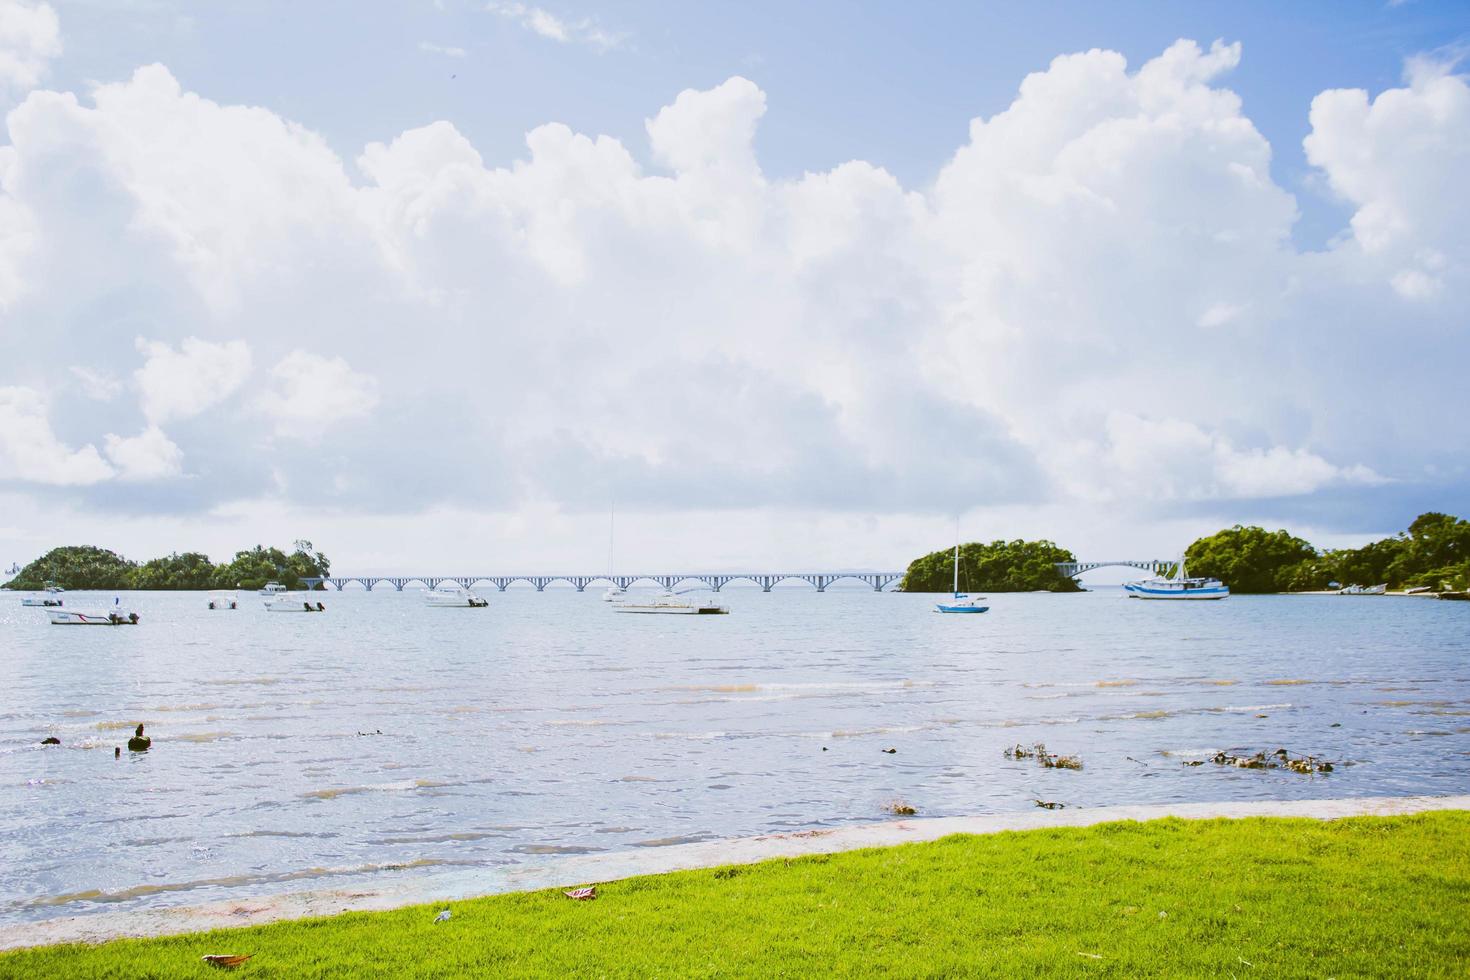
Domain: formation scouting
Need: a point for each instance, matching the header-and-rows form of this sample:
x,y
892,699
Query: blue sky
x,y
894,84
794,283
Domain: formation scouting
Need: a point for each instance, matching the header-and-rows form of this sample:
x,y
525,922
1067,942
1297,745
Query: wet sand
x,y
583,869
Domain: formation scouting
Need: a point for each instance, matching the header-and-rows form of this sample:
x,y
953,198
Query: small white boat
x,y
670,604
1179,587
454,595
292,602
50,600
224,599
273,588
614,594
1364,590
73,617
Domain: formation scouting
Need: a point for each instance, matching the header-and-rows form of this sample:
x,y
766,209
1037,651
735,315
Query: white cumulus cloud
x,y
30,36
30,450
312,392
150,455
1098,299
181,383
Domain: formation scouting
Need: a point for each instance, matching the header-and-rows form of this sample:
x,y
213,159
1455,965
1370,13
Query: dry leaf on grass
x,y
582,894
226,960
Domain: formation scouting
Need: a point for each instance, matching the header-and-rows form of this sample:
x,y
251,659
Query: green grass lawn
x,y
1364,897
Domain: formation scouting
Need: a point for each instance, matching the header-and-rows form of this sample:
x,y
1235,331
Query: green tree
x,y
1250,559
190,570
76,567
1000,566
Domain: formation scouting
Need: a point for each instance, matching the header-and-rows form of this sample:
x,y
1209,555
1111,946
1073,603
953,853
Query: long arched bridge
x,y
767,581
879,581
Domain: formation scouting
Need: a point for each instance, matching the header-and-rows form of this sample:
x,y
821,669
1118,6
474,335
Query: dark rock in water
x,y
137,744
891,751
117,751
50,740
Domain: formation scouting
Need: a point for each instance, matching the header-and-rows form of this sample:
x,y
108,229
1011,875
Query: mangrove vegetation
x,y
88,567
1433,552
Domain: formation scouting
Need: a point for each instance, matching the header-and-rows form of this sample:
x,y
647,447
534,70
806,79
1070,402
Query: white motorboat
x,y
292,602
51,599
73,617
614,594
224,599
274,588
1181,586
454,595
670,604
1364,590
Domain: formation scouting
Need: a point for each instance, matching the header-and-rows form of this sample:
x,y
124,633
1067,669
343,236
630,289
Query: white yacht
x,y
292,602
273,588
1364,590
670,604
614,594
1181,586
224,599
454,595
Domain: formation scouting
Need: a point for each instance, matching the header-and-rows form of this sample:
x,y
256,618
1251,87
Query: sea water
x,y
385,740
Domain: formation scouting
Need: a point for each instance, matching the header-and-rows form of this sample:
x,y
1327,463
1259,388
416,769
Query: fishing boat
x,y
274,588
670,604
224,599
960,602
292,602
50,599
1364,590
454,595
614,594
1181,586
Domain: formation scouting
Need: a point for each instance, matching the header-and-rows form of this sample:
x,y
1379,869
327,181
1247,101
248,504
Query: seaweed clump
x,y
1279,759
1047,760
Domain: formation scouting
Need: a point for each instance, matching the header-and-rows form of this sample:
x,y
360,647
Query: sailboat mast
x,y
612,514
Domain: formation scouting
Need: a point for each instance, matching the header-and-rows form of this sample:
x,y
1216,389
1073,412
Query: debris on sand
x,y
1048,760
1279,759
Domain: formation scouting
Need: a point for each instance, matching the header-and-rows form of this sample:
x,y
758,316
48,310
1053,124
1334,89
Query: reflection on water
x,y
386,739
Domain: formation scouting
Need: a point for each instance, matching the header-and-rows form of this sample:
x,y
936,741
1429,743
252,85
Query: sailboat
x,y
615,592
960,603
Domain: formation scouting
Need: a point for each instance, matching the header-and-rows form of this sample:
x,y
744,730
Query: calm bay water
x,y
547,724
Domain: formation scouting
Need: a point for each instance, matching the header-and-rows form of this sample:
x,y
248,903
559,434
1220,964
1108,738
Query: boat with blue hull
x,y
1181,586
961,603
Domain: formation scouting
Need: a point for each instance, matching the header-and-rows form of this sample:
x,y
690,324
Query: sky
x,y
437,285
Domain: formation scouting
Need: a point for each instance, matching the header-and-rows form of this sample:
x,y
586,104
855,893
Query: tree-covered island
x,y
1000,566
1434,552
87,567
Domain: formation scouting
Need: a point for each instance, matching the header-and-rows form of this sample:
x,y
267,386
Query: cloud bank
x,y
1097,301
